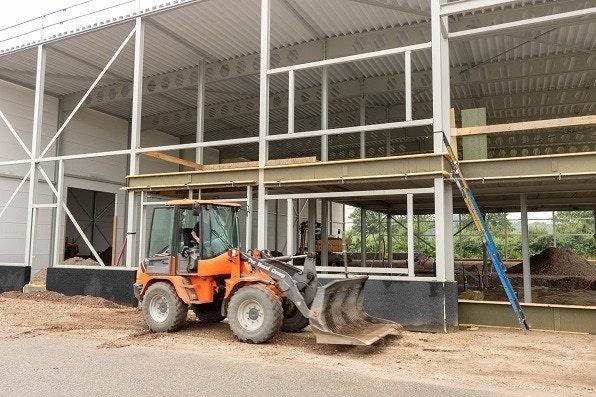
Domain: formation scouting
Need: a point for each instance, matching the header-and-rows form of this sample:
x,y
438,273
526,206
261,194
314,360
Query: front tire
x,y
293,320
255,314
162,309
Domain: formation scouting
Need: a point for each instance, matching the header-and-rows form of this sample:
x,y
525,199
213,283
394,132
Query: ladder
x,y
487,238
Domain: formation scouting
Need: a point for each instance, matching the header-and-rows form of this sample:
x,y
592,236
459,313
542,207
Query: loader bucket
x,y
337,315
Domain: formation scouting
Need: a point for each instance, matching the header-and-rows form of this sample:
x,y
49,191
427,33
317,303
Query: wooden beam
x,y
176,160
253,164
525,125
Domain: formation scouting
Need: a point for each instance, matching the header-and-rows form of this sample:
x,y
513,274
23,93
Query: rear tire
x,y
208,312
162,309
293,320
255,314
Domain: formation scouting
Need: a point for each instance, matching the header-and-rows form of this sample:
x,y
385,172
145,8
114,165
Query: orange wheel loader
x,y
194,262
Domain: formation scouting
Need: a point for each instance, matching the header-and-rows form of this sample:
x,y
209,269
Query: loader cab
x,y
171,234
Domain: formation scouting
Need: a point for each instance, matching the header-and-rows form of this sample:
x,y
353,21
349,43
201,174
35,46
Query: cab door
x,y
159,250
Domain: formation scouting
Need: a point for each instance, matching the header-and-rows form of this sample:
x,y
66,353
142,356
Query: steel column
x,y
325,113
362,237
199,154
58,244
35,150
263,121
290,227
312,223
248,236
527,277
410,223
389,241
135,139
444,230
291,92
440,78
363,122
324,232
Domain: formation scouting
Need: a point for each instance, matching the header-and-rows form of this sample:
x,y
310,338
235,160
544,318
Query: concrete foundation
x,y
111,283
13,277
428,306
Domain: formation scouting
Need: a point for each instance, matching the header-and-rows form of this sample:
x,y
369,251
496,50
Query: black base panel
x,y
427,306
108,283
14,277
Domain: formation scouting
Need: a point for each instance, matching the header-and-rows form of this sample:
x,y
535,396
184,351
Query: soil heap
x,y
558,262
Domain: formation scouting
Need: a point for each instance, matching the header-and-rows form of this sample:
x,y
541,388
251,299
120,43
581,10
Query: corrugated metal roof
x,y
225,29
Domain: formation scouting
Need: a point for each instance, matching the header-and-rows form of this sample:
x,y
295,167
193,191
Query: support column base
x,y
13,277
427,306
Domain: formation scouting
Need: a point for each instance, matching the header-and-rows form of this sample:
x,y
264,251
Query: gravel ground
x,y
93,346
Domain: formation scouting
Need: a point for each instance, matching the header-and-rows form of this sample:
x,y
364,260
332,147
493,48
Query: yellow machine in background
x,y
334,246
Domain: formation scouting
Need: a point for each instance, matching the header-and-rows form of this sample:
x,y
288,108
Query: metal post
x,y
135,138
408,77
200,151
527,277
444,230
114,230
362,122
57,209
389,242
276,227
312,222
35,150
324,113
58,240
263,122
142,225
410,216
362,237
291,92
506,237
440,77
248,218
290,227
554,231
324,232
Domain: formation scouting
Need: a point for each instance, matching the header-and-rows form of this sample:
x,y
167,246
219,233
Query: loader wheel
x,y
255,314
208,312
293,320
162,309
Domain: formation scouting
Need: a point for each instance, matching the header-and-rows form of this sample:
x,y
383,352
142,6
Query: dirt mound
x,y
51,296
77,260
558,262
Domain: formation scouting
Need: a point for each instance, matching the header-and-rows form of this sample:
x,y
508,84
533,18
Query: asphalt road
x,y
57,366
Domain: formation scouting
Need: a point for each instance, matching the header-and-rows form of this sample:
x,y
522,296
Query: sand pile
x,y
51,296
558,262
80,261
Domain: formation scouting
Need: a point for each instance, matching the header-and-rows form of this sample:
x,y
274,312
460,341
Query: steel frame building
x,y
367,87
